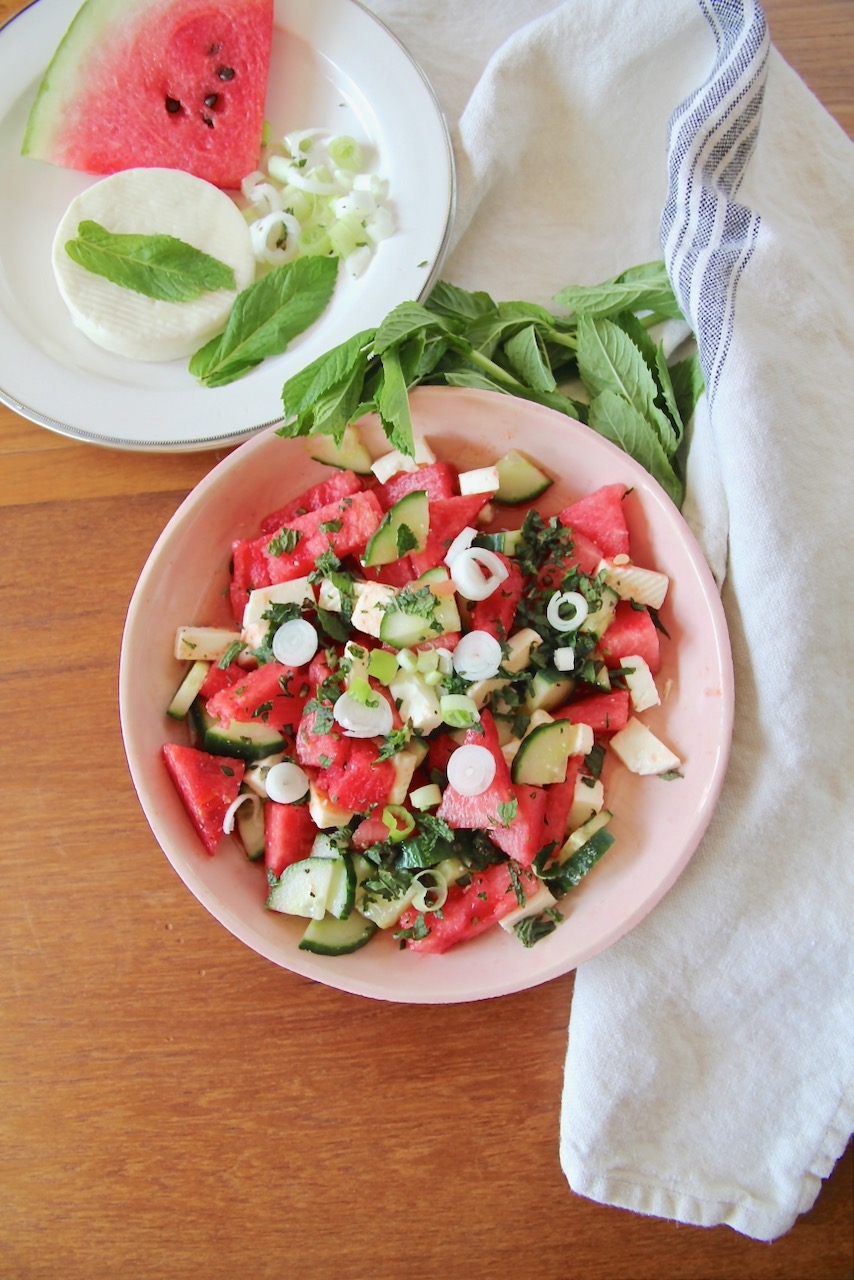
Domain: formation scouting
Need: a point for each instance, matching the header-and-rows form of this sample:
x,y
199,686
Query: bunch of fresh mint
x,y
598,363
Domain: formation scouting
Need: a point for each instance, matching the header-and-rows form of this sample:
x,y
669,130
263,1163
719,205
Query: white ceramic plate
x,y
657,824
334,66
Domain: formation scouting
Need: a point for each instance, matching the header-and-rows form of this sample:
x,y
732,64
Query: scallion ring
x,y
567,599
228,819
458,710
477,572
286,229
286,783
399,821
477,656
295,642
361,721
431,890
471,769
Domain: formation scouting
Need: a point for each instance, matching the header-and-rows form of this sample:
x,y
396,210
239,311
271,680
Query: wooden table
x,y
172,1104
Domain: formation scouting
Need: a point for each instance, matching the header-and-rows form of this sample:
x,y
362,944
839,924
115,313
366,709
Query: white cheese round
x,y
153,202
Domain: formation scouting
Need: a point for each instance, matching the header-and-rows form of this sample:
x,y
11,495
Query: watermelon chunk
x,y
448,517
600,517
437,479
495,614
273,693
176,84
289,833
604,712
207,785
336,487
468,911
524,836
632,632
482,811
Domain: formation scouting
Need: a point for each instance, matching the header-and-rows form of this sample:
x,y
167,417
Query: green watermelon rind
x,y
60,82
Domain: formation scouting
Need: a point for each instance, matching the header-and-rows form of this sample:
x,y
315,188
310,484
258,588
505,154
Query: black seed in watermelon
x,y
177,84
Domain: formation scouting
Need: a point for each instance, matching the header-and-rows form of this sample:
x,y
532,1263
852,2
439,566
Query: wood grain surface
x,y
173,1105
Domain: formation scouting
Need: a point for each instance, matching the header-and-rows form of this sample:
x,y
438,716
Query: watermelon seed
x,y
211,100
173,106
225,73
207,120
214,49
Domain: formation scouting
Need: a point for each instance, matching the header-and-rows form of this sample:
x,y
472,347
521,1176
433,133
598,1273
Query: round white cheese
x,y
153,202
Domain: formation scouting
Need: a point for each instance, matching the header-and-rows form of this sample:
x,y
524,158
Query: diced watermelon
x,y
363,780
371,830
632,632
272,693
479,812
468,911
600,517
584,556
604,712
217,678
179,86
437,479
448,517
207,784
559,802
524,835
323,749
396,574
338,486
248,570
343,527
289,833
495,614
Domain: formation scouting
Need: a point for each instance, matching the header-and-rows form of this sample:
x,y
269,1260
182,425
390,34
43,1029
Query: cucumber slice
x,y
505,541
313,886
583,834
349,455
599,620
549,689
404,527
187,690
247,739
520,480
542,755
331,937
403,630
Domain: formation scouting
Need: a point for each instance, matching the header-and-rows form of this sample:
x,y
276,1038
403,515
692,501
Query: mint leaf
x,y
643,288
161,267
528,360
266,317
613,417
393,404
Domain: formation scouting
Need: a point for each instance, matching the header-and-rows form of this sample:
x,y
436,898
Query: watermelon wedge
x,y
177,84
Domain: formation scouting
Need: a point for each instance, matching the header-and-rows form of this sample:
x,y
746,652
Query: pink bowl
x,y
657,824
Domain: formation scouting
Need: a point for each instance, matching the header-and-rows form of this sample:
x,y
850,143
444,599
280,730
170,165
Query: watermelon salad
x,y
406,724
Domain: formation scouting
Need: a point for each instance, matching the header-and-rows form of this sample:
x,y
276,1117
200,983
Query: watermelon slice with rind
x,y
177,84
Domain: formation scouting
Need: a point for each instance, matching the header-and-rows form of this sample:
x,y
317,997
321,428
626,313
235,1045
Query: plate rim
x,y
229,436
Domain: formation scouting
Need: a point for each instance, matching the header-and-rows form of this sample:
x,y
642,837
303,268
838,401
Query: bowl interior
x,y
657,825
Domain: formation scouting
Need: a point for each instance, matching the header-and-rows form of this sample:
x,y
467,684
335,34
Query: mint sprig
x,y
629,393
158,266
265,318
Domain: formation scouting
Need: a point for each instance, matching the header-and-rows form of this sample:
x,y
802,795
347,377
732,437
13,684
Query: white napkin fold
x,y
709,1071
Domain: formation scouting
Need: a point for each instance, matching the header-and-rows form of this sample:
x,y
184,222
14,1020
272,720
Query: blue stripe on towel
x,y
707,237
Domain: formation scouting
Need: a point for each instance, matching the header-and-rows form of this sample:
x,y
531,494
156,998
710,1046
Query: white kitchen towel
x,y
709,1070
